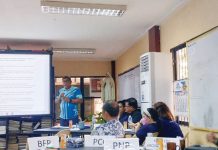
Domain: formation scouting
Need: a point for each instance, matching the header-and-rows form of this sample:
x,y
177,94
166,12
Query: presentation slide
x,y
24,84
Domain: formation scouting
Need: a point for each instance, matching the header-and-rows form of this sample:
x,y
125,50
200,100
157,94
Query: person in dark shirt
x,y
131,106
151,125
123,116
168,127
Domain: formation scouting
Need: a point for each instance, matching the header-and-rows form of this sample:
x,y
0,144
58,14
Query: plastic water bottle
x,y
93,122
129,121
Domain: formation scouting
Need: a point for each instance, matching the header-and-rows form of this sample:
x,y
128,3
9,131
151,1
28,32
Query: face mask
x,y
143,121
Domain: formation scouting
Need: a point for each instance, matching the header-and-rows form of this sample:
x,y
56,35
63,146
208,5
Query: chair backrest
x,y
63,132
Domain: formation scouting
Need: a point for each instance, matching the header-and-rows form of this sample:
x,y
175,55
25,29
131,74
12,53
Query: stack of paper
x,y
2,130
46,123
12,143
22,140
14,126
2,127
2,143
13,146
27,127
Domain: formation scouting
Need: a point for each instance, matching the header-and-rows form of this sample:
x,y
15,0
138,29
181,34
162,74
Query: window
x,y
92,96
180,62
180,92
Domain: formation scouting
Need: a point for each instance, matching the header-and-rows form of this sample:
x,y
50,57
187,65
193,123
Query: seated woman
x,y
123,116
150,125
112,127
168,127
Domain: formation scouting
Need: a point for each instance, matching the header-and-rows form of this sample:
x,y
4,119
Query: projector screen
x,y
25,83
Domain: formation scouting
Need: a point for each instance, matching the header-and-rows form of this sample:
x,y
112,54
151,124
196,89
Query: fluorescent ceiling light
x,y
75,8
74,50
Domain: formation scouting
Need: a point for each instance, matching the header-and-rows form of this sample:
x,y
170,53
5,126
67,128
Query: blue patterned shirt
x,y
69,110
112,128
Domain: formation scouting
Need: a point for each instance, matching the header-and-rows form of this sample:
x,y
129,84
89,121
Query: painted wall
x,y
192,19
81,68
130,58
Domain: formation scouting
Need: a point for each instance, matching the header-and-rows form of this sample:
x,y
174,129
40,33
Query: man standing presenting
x,y
69,98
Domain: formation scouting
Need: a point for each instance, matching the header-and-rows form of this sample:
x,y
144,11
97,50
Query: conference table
x,y
91,148
141,148
83,148
54,130
85,131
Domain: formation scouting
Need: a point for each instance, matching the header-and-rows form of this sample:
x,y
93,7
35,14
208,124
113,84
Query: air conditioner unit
x,y
156,79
